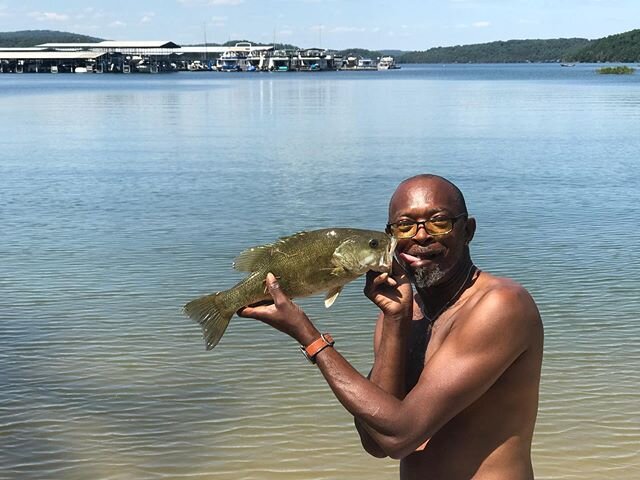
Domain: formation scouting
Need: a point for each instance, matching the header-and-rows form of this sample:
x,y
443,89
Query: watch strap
x,y
314,348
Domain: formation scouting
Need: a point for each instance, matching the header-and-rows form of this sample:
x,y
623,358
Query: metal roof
x,y
21,49
200,50
113,44
216,49
135,44
4,55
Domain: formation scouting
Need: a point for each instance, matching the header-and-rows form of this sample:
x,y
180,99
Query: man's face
x,y
430,259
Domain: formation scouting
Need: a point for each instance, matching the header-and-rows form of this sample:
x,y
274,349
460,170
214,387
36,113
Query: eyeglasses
x,y
434,226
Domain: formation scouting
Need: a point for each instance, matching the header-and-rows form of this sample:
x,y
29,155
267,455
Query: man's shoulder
x,y
502,291
500,320
504,302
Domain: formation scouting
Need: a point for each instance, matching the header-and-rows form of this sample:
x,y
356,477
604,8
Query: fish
x,y
305,263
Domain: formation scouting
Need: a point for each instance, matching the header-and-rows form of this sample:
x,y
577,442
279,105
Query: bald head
x,y
426,189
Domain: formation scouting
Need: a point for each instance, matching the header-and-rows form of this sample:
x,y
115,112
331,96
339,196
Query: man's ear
x,y
469,230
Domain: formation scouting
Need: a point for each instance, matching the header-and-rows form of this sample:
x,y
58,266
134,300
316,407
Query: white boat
x,y
365,64
235,59
387,63
354,62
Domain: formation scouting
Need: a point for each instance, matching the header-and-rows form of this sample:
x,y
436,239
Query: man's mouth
x,y
421,260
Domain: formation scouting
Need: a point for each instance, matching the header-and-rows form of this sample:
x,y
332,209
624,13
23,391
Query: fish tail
x,y
212,317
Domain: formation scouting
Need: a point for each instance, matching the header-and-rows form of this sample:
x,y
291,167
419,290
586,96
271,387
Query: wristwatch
x,y
314,348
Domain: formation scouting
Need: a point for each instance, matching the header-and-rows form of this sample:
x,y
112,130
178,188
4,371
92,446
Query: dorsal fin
x,y
251,259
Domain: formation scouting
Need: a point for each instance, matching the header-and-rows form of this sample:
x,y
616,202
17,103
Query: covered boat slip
x,y
46,61
117,56
107,56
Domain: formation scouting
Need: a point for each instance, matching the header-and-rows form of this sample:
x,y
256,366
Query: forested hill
x,y
624,47
511,51
31,38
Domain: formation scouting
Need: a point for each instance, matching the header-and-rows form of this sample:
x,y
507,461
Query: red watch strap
x,y
325,340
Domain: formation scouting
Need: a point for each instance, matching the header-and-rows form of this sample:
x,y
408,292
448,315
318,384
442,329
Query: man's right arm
x,y
389,367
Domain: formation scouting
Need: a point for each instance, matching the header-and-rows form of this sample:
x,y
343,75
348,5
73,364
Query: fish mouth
x,y
386,261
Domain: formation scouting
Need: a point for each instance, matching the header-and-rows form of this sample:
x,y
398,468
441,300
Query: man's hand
x,y
282,314
391,293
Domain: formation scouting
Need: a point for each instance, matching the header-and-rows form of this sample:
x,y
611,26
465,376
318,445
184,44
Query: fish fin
x,y
211,317
331,296
253,258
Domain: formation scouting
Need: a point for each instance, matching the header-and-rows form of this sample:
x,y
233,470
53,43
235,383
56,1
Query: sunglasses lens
x,y
439,227
404,230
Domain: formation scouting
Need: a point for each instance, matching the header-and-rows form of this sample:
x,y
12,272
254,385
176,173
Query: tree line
x,y
622,47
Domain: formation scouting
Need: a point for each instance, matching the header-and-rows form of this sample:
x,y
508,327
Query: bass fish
x,y
304,264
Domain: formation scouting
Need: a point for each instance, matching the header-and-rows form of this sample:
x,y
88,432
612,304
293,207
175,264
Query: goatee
x,y
427,277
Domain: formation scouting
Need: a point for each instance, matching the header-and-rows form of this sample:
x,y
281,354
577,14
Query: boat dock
x,y
165,56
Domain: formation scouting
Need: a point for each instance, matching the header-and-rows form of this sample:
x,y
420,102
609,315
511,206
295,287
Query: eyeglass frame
x,y
424,225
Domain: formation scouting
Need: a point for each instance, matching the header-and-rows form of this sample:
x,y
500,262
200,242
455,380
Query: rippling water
x,y
123,198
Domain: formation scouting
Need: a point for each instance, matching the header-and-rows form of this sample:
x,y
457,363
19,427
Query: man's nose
x,y
421,234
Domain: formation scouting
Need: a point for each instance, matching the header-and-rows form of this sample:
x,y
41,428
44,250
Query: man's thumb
x,y
274,289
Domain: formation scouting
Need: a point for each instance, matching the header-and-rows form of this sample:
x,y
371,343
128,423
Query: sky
x,y
335,24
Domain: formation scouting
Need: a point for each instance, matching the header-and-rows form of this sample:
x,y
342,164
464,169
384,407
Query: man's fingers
x,y
275,291
375,280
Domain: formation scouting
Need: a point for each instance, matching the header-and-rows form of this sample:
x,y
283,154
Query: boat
x,y
310,60
235,59
567,64
353,62
365,64
231,62
387,63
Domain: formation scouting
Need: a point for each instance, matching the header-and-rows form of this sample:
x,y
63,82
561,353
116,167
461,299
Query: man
x,y
453,392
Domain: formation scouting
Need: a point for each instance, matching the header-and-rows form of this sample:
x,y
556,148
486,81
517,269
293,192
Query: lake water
x,y
123,197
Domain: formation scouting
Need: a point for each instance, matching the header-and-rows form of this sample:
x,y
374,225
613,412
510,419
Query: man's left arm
x,y
474,355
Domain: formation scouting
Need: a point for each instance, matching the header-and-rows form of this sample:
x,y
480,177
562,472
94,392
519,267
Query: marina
x,y
167,56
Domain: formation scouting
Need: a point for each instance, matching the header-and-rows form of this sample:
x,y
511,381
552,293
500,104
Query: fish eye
x,y
373,243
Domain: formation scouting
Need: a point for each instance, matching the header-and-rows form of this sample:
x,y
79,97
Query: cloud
x,y
218,21
347,30
481,24
285,33
49,16
89,12
206,3
147,17
117,24
344,29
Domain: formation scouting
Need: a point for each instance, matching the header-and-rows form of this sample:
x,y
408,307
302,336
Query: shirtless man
x,y
453,392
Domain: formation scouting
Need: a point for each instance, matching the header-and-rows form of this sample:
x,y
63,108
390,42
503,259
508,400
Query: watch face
x,y
306,355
